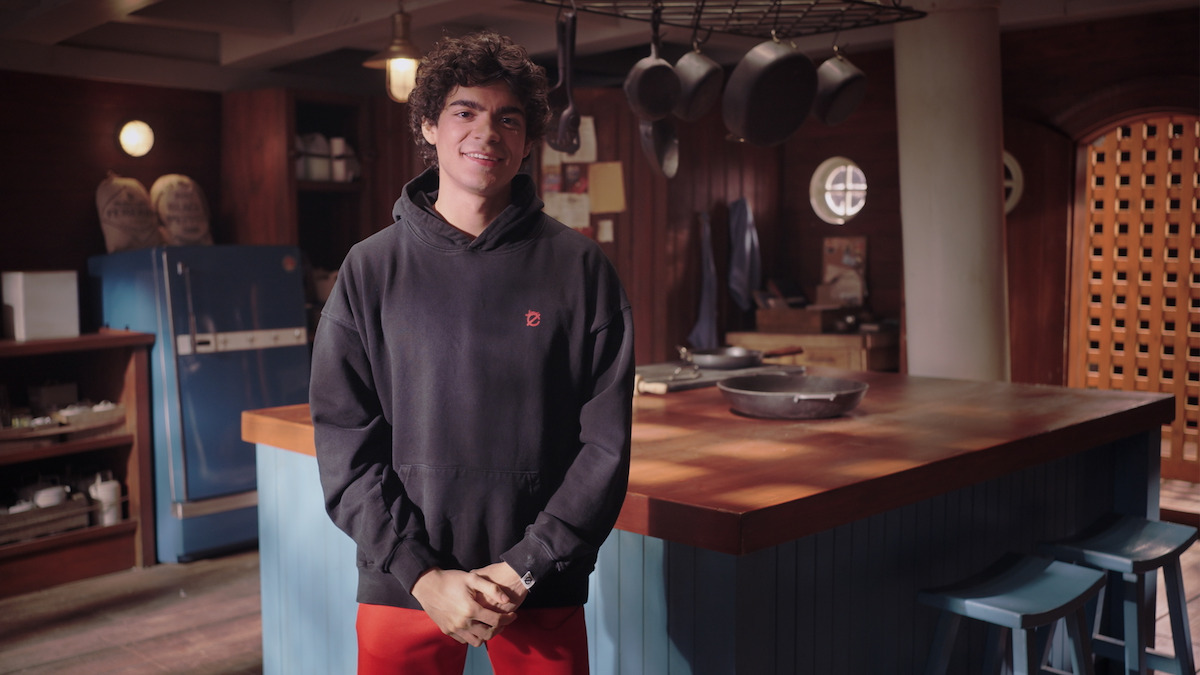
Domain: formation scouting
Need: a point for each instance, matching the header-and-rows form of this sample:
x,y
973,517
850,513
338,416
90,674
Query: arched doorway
x,y
1135,296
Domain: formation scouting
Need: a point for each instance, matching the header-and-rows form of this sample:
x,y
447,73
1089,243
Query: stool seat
x,y
1132,550
1017,595
1125,544
1019,592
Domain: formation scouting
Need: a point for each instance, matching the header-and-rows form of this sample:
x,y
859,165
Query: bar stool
x,y
1129,549
1017,595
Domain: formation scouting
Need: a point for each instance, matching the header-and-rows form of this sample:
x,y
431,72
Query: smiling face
x,y
480,140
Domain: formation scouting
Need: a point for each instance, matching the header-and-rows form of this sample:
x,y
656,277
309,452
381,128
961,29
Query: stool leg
x,y
1181,632
1081,650
1135,638
1024,656
943,643
994,650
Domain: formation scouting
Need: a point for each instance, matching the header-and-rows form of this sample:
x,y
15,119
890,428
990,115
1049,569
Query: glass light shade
x,y
401,78
136,138
400,58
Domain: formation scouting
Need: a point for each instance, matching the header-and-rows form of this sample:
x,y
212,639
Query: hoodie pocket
x,y
472,516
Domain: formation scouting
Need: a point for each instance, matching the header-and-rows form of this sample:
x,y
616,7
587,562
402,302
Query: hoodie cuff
x,y
530,560
410,562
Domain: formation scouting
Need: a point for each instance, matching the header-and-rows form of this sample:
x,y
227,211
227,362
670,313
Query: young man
x,y
471,391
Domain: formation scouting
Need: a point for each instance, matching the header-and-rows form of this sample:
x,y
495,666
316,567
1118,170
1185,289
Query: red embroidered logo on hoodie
x,y
533,318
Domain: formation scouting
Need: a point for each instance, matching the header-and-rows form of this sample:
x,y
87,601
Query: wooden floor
x,y
197,618
203,618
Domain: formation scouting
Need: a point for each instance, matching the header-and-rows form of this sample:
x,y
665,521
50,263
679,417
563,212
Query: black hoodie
x,y
471,399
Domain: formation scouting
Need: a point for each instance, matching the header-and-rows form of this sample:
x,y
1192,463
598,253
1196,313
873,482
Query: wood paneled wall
x,y
59,140
868,138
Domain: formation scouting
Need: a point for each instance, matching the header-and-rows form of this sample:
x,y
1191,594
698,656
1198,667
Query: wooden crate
x,y
804,320
37,522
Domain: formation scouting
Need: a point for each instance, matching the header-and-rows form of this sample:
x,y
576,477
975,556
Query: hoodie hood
x,y
511,227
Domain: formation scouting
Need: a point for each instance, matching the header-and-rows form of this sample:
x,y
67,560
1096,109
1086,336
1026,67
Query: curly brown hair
x,y
476,60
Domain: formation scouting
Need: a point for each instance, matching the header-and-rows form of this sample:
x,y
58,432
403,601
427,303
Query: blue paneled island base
x,y
826,597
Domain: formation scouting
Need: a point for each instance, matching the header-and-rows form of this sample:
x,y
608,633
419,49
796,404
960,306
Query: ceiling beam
x,y
49,22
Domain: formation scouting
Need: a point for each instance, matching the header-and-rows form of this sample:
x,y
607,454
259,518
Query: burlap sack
x,y
126,217
182,210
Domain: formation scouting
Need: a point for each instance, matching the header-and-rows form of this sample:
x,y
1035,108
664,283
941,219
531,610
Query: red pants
x,y
395,641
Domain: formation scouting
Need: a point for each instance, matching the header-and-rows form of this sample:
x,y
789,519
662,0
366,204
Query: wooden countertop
x,y
707,477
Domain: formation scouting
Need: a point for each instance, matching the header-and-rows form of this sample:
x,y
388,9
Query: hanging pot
x,y
769,93
700,81
652,86
563,132
840,89
660,144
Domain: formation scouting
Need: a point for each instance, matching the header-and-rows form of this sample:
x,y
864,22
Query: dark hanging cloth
x,y
704,333
745,271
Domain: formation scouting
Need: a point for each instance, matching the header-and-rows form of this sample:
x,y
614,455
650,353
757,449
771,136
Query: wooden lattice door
x,y
1136,305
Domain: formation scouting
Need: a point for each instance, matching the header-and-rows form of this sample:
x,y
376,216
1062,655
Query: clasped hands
x,y
471,607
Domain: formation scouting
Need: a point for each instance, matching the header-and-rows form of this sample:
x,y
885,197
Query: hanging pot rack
x,y
782,19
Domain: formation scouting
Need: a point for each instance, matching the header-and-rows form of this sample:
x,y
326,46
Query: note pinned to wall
x,y
570,209
606,187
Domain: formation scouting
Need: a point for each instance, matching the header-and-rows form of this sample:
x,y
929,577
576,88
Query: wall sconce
x,y
136,138
400,58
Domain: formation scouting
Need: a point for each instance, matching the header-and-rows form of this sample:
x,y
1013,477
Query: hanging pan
x,y
700,82
652,86
563,132
841,87
769,93
660,144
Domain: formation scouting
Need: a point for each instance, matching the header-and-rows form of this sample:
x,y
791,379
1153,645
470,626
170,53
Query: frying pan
x,y
777,396
731,358
563,132
660,144
700,81
769,93
652,86
840,88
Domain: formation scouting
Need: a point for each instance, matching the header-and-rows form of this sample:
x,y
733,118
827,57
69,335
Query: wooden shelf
x,y
62,540
109,365
69,556
21,454
109,339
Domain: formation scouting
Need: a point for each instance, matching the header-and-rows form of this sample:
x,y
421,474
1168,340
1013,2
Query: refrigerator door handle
x,y
185,272
240,341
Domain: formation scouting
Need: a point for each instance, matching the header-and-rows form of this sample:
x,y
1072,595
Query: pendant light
x,y
400,59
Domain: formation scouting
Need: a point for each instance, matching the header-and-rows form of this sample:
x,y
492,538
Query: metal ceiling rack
x,y
753,18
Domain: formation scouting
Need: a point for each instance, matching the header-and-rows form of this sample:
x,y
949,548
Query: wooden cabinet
x,y
263,198
853,351
112,366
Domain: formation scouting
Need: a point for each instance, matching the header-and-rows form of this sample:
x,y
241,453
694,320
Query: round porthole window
x,y
838,190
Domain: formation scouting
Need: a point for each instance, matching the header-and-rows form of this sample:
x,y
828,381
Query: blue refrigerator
x,y
231,335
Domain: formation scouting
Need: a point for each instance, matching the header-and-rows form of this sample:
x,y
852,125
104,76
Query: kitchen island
x,y
770,546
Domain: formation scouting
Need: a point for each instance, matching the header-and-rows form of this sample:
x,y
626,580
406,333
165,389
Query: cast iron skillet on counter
x,y
796,397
